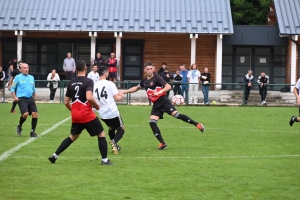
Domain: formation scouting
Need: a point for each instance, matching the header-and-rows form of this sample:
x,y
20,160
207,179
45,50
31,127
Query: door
x,y
132,60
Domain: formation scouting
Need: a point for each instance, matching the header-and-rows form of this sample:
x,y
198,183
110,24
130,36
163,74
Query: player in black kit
x,y
156,89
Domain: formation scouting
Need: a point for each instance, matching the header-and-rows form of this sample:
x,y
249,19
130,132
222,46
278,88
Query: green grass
x,y
245,153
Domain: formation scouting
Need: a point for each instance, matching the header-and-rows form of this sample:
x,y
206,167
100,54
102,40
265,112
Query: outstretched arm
x,y
132,90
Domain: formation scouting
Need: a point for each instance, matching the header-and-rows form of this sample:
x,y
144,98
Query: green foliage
x,y
250,12
245,153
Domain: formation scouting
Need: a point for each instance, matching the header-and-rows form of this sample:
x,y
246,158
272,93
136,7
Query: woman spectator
x,y
52,79
205,78
194,79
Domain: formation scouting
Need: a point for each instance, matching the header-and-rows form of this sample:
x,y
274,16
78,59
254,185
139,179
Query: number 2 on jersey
x,y
103,93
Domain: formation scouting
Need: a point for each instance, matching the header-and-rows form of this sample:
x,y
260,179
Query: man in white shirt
x,y
106,94
194,79
296,92
94,74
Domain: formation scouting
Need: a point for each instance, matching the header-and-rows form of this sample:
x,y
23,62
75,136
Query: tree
x,y
250,12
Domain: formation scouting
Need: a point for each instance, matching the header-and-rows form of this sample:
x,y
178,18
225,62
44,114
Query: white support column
x,y
118,36
19,44
93,36
293,61
218,71
193,38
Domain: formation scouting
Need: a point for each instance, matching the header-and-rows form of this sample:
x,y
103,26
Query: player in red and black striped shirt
x,y
156,88
80,92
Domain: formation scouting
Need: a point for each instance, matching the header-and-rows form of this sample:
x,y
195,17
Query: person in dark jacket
x,y
263,81
177,78
162,69
205,78
248,83
99,61
166,76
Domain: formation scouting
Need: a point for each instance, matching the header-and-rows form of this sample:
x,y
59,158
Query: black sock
x,y
299,110
22,120
14,105
111,134
65,144
156,131
102,144
119,135
33,124
185,119
295,119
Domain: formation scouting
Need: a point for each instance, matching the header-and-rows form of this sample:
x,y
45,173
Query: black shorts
x,y
114,123
1,84
27,105
167,107
112,75
93,127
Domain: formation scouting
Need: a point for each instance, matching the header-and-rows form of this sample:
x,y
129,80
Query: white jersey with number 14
x,y
104,92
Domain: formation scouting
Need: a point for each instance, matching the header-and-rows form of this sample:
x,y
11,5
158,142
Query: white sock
x,y
56,156
104,159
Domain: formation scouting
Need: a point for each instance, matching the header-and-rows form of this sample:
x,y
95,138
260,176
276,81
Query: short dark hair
x,y
95,65
102,70
147,64
80,64
163,63
20,62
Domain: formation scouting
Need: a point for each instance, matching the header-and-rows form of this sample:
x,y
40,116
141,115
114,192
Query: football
x,y
177,100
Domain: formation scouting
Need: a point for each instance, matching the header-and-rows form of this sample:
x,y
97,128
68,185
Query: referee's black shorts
x,y
27,105
93,127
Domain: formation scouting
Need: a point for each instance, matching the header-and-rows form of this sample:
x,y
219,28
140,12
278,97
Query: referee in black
x,y
23,92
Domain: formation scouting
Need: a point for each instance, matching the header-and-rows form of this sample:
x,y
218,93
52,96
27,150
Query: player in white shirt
x,y
194,78
106,94
94,74
296,92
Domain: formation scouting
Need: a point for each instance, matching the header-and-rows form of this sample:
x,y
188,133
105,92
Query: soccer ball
x,y
177,100
214,103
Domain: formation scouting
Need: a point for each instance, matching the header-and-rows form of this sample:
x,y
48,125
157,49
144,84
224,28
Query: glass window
x,y
244,50
279,71
226,86
262,51
227,60
132,60
227,70
262,60
279,60
132,72
133,49
279,50
242,60
242,70
259,69
278,81
227,49
105,50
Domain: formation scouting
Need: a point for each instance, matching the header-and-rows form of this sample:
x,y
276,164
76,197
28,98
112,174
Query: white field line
x,y
176,157
16,148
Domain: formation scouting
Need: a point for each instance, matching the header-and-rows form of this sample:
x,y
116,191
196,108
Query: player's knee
x,y
175,114
35,114
153,123
25,115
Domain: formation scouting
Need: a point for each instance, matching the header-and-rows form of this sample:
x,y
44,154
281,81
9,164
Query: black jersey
x,y
15,73
155,84
81,108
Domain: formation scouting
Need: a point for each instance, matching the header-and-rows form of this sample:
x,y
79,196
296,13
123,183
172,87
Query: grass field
x,y
245,153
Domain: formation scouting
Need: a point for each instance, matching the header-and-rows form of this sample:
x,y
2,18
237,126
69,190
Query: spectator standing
x,y
69,66
166,76
9,72
99,61
162,69
112,67
80,92
94,74
263,81
23,92
12,76
205,78
2,78
52,79
106,95
184,87
296,92
156,89
177,78
193,79
248,83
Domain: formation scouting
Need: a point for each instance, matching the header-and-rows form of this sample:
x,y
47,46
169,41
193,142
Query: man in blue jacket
x,y
185,86
23,92
248,83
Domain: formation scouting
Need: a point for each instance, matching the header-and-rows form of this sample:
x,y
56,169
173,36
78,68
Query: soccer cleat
x,y
119,148
52,159
13,112
19,130
201,127
33,134
114,147
162,146
292,120
106,163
